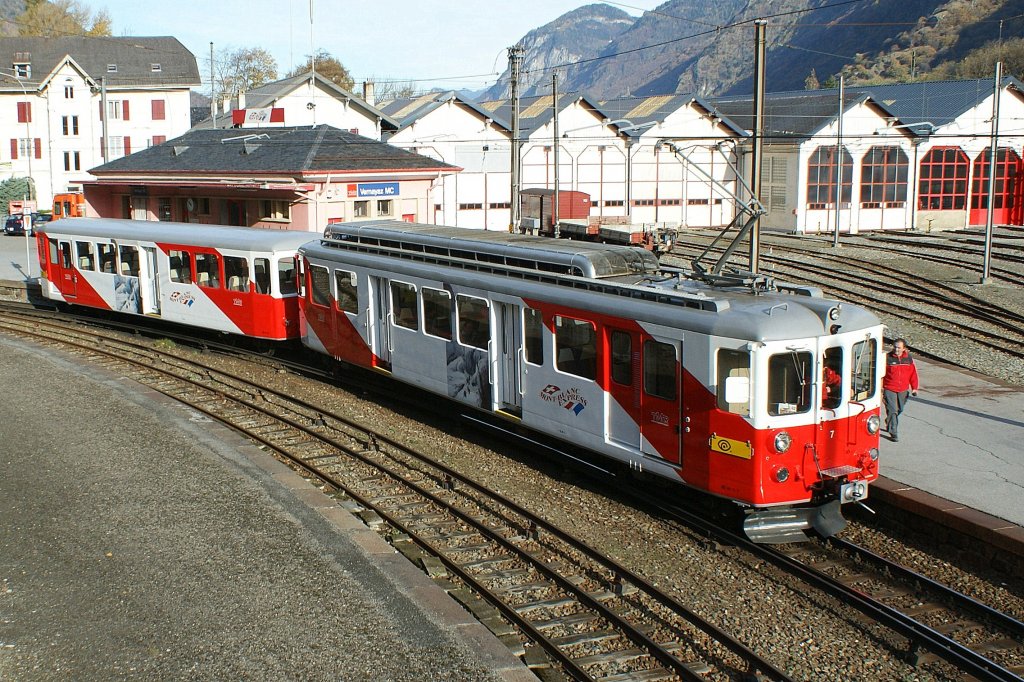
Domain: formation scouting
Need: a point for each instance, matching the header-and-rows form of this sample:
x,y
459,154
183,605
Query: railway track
x,y
569,608
937,623
991,326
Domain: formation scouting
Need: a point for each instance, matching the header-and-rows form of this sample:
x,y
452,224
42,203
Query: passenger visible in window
x,y
831,387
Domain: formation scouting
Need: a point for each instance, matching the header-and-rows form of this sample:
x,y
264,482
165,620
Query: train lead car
x,y
769,397
230,279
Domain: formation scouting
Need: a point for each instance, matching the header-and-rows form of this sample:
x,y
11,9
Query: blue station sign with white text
x,y
373,190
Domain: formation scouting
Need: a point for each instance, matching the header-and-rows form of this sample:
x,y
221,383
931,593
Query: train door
x,y
380,312
661,398
68,276
509,358
151,301
623,410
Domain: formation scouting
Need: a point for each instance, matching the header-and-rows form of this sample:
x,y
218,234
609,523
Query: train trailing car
x,y
766,396
229,279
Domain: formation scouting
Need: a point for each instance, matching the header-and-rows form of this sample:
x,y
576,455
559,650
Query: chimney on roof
x,y
368,93
241,100
225,105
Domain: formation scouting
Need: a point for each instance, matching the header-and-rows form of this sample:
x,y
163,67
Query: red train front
x,y
767,397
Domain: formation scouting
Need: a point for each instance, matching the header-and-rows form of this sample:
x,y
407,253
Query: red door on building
x,y
1008,198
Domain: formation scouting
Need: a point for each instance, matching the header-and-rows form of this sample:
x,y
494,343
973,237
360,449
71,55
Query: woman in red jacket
x,y
900,381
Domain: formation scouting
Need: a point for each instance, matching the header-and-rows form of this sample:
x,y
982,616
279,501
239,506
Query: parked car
x,y
16,226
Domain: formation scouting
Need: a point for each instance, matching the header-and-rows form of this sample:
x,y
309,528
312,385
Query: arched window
x,y
822,177
943,182
883,178
1007,197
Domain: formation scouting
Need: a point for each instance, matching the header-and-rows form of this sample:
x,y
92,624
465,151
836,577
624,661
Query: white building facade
x,y
52,98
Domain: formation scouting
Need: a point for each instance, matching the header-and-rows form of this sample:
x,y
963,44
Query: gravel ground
x,y
128,551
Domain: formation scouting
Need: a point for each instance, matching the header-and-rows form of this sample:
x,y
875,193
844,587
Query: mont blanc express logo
x,y
568,398
184,298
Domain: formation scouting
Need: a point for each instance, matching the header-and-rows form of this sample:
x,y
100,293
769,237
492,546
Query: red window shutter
x,y
159,139
158,110
39,148
103,149
14,150
125,109
101,109
127,145
24,112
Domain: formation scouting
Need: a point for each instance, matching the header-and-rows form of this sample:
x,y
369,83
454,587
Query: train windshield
x,y
863,380
789,382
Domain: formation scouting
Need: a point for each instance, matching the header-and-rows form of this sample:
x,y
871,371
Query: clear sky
x,y
454,44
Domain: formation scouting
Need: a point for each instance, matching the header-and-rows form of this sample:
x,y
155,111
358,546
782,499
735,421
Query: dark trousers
x,y
894,401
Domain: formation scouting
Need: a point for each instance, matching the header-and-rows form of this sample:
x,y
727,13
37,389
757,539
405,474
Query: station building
x,y
299,178
912,156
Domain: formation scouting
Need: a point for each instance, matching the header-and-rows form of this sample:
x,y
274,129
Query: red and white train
x,y
230,279
769,398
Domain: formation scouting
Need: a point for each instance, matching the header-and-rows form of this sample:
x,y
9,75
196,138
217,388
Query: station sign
x,y
373,190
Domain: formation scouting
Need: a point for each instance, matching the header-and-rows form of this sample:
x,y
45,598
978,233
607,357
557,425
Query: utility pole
x,y
756,160
103,120
554,111
993,160
312,66
213,90
515,58
839,162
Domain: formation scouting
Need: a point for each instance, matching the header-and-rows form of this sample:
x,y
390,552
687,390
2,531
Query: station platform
x,y
141,540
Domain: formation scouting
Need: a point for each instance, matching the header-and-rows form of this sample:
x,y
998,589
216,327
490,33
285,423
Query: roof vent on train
x,y
462,247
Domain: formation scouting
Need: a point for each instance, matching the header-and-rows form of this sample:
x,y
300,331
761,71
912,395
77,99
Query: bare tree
x,y
385,90
327,66
241,70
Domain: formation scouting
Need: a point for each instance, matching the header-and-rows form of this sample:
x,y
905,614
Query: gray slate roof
x,y
408,110
290,151
134,57
637,111
801,113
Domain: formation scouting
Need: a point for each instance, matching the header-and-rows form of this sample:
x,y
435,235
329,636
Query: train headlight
x,y
782,442
873,423
833,313
782,474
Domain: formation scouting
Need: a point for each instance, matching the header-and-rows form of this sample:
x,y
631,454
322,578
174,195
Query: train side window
x,y
65,254
53,252
789,383
261,272
474,321
863,369
733,369
622,358
348,292
86,261
533,336
660,370
437,313
107,258
286,276
404,306
320,285
207,270
832,378
129,259
180,266
576,347
236,273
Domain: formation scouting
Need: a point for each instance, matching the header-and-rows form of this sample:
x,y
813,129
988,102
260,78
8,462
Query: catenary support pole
x,y
993,163
515,58
839,161
756,159
554,148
